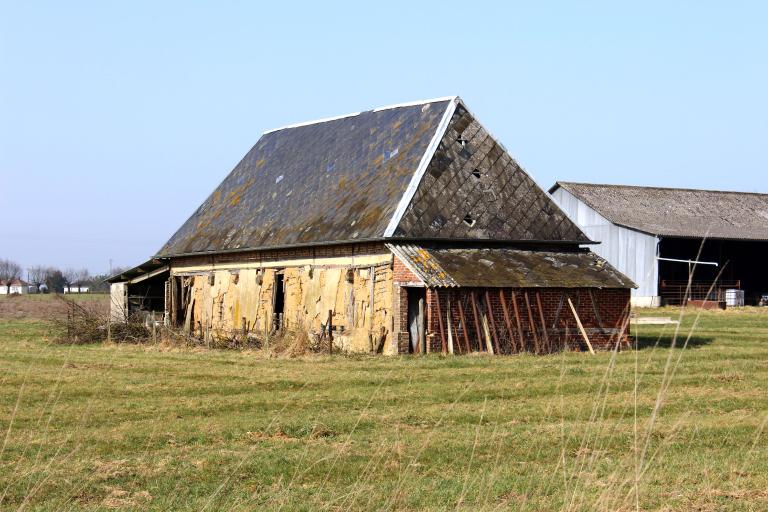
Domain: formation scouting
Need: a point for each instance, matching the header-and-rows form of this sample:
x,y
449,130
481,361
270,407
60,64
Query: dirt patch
x,y
47,307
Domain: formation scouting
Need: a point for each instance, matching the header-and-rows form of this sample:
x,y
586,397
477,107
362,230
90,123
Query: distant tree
x,y
55,280
76,276
9,270
36,275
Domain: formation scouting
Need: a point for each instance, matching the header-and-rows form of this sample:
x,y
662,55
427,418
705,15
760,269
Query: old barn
x,y
659,236
406,228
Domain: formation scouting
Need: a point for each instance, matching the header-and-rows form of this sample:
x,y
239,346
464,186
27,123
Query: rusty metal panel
x,y
507,267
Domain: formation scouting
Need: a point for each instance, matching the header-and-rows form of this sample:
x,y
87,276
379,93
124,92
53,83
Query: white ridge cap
x,y
379,109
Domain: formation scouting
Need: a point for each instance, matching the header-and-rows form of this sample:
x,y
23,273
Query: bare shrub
x,y
85,323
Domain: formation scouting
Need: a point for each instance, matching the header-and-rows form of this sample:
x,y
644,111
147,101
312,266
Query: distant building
x,y
75,288
655,235
16,286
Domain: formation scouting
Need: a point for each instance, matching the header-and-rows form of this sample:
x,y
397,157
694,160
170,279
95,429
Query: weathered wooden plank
x,y
537,348
581,327
464,327
477,320
493,322
507,321
440,321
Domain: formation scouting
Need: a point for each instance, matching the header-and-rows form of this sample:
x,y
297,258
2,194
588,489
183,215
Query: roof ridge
x,y
353,114
562,183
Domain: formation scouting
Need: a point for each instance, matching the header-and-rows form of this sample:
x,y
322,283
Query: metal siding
x,y
631,252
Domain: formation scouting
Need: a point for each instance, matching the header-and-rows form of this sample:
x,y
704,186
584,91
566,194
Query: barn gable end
x,y
473,189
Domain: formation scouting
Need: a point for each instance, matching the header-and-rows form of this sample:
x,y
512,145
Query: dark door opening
x,y
278,301
417,300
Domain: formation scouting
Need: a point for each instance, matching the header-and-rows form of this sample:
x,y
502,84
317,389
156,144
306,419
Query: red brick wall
x,y
403,274
603,320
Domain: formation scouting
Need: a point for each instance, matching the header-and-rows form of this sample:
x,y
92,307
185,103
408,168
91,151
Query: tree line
x,y
53,279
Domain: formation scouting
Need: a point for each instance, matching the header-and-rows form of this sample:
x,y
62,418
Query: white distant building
x,y
75,288
16,286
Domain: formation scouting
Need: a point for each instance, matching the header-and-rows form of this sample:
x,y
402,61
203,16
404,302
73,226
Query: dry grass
x,y
169,428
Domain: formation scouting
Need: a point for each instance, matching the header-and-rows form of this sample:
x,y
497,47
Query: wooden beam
x,y
537,349
421,328
464,327
543,322
477,320
581,327
450,325
488,344
493,322
443,344
507,321
517,320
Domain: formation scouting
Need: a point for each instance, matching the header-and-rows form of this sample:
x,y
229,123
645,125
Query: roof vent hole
x,y
468,220
462,141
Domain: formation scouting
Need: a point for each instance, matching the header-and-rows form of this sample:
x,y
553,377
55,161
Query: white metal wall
x,y
632,252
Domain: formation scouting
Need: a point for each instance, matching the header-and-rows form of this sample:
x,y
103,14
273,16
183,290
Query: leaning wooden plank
x,y
493,322
440,322
477,321
518,321
536,347
450,327
543,322
581,327
464,327
488,344
507,321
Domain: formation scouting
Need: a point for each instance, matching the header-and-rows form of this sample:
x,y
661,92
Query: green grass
x,y
89,427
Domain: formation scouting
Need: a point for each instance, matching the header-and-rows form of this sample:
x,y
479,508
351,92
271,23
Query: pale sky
x,y
118,119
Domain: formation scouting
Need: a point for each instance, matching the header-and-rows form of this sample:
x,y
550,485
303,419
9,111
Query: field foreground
x,y
109,427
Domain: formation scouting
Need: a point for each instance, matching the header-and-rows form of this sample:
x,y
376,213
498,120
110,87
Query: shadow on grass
x,y
650,341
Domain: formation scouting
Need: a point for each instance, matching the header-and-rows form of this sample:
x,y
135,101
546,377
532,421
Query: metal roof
x,y
509,267
677,212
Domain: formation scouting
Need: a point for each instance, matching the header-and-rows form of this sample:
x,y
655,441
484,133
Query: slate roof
x,y
369,176
508,267
677,212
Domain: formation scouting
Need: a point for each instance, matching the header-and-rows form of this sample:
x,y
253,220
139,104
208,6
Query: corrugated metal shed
x,y
676,212
507,267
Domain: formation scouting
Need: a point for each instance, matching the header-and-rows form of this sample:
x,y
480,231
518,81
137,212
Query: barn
x,y
659,236
407,228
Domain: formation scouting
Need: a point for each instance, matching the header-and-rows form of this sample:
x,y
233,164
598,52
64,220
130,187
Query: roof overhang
x,y
150,268
506,267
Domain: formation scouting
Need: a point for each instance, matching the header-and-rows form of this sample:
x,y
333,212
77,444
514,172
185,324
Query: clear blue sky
x,y
118,119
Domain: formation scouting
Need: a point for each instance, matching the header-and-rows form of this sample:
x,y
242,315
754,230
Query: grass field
x,y
103,427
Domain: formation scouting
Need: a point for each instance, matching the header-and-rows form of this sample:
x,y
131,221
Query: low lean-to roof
x,y
413,171
508,267
677,212
148,267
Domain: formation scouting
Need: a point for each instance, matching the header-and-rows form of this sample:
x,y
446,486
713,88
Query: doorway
x,y
417,301
278,301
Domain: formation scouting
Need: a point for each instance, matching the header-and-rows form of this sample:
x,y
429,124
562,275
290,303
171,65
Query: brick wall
x,y
603,314
403,274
